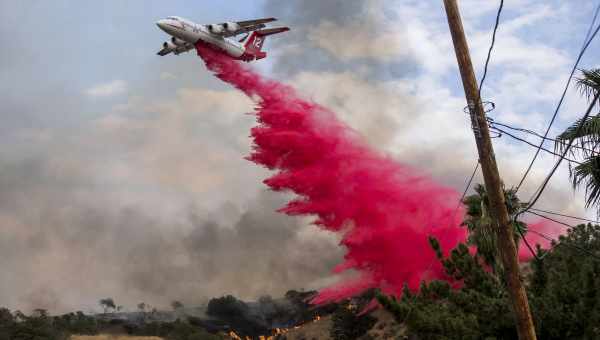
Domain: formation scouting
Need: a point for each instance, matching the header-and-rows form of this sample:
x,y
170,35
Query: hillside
x,y
385,328
113,337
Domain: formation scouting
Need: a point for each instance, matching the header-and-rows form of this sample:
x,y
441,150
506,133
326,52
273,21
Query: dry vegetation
x,y
386,328
113,337
312,330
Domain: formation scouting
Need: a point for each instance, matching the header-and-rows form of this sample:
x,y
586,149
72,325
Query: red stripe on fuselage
x,y
246,56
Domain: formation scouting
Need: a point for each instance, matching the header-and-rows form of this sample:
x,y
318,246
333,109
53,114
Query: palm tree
x,y
482,233
585,136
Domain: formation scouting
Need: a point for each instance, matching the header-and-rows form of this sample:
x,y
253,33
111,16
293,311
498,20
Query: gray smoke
x,y
299,52
63,253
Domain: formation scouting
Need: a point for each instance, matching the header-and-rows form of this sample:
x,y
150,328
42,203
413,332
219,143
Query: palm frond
x,y
584,133
482,230
589,83
587,174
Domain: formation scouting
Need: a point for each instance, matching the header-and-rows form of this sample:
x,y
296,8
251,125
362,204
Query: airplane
x,y
186,34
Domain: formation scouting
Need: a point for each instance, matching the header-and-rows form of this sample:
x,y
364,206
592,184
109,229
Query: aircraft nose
x,y
161,24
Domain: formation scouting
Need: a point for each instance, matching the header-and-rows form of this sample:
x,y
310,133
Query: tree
x,y
482,233
478,310
142,306
348,324
39,326
7,324
41,312
107,304
236,313
564,286
585,136
563,290
176,305
227,306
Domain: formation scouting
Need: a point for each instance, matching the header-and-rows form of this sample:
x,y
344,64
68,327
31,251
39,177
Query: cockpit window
x,y
173,18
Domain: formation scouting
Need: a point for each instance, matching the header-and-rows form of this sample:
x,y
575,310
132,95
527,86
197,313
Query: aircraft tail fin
x,y
255,41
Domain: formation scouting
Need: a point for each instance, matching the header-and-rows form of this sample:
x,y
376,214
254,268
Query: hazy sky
x,y
122,173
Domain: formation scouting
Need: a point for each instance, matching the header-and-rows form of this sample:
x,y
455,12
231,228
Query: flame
x,y
275,331
279,331
234,336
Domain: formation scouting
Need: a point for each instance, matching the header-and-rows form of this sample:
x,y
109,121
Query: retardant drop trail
x,y
385,210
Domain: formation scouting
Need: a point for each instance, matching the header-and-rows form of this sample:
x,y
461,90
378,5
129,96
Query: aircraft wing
x,y
175,49
248,26
164,51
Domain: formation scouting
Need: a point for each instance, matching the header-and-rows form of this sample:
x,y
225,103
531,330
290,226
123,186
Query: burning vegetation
x,y
222,318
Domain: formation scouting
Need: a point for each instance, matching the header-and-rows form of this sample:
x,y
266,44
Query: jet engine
x,y
215,28
177,42
231,26
169,45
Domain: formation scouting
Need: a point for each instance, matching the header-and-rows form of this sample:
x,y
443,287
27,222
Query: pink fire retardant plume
x,y
384,210
551,229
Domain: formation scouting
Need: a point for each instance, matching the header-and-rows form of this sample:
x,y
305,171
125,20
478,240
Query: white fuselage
x,y
191,33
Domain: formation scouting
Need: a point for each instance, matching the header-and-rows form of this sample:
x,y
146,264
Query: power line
x,y
474,122
489,54
589,31
485,71
570,160
565,215
587,42
540,190
553,245
492,123
551,219
556,243
503,132
460,202
483,77
462,197
549,238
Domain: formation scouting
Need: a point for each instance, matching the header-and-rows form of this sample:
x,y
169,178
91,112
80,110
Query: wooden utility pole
x,y
493,184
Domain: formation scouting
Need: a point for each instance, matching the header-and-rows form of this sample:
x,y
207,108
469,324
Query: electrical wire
x,y
503,132
493,123
549,238
587,42
555,243
551,219
489,54
565,215
474,121
538,193
485,71
460,202
541,189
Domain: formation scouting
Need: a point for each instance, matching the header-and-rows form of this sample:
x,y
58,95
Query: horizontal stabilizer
x,y
273,30
255,22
